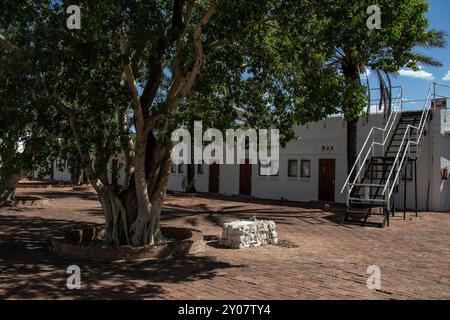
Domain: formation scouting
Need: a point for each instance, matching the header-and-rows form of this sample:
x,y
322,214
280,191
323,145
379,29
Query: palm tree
x,y
352,62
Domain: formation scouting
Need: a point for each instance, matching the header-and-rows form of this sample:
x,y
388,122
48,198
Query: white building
x,y
314,168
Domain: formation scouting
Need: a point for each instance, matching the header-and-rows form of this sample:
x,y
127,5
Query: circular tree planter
x,y
30,201
88,244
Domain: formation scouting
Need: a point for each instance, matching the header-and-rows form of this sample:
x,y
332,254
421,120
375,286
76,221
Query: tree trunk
x,y
190,185
123,224
132,217
352,132
78,175
351,73
8,188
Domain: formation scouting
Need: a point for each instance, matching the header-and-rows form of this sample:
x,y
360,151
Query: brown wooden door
x,y
245,179
327,179
214,178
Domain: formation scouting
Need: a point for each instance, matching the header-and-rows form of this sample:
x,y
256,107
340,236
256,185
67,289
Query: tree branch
x,y
192,76
139,117
85,156
179,92
178,27
6,43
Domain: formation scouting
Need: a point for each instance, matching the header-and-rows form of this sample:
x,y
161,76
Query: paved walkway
x,y
320,259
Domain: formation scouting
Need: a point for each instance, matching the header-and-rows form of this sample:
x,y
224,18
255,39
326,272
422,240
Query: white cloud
x,y
447,76
419,74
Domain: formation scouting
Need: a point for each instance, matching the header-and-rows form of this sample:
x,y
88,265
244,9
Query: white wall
x,y
326,139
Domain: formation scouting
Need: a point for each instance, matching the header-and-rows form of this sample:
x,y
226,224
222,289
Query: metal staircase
x,y
373,182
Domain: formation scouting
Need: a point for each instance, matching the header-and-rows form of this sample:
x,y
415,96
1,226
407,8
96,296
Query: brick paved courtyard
x,y
322,259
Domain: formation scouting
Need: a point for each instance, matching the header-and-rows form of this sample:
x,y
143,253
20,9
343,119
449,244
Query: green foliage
x,y
404,29
26,129
259,69
269,63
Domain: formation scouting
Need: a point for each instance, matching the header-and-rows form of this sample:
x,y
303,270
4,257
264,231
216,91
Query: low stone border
x,y
84,188
30,201
87,244
44,184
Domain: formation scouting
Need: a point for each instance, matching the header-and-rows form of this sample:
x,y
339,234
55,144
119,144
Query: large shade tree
x,y
134,70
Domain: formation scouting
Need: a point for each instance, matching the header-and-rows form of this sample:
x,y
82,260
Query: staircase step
x,y
410,112
362,218
363,201
373,210
400,140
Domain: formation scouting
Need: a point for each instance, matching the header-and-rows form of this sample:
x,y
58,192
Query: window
x,y
261,166
200,169
409,172
292,168
306,168
180,168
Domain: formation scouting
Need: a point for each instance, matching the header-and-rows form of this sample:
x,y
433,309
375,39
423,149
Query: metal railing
x,y
407,143
405,148
368,150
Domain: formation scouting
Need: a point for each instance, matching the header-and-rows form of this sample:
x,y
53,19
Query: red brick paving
x,y
330,261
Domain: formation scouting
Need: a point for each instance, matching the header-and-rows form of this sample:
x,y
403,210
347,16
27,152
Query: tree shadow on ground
x,y
248,200
219,216
60,194
28,269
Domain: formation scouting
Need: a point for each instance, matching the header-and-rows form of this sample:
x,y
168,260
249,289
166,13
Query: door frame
x,y
211,178
248,178
332,181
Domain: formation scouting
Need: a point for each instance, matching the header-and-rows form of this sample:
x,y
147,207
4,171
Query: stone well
x,y
245,234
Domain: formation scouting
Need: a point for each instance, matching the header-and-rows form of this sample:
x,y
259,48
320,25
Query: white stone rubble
x,y
245,234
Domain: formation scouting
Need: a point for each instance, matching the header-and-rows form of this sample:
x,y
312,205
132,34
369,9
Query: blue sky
x,y
416,84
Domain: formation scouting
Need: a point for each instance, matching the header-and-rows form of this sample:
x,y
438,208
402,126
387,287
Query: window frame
x,y
296,168
302,162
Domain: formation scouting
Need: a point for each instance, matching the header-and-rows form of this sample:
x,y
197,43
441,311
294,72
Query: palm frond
x,y
426,60
434,39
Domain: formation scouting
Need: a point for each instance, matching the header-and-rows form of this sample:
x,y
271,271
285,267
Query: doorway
x,y
245,179
327,179
214,178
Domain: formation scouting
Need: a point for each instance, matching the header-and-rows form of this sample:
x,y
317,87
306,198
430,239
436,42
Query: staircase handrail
x,y
408,142
388,128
